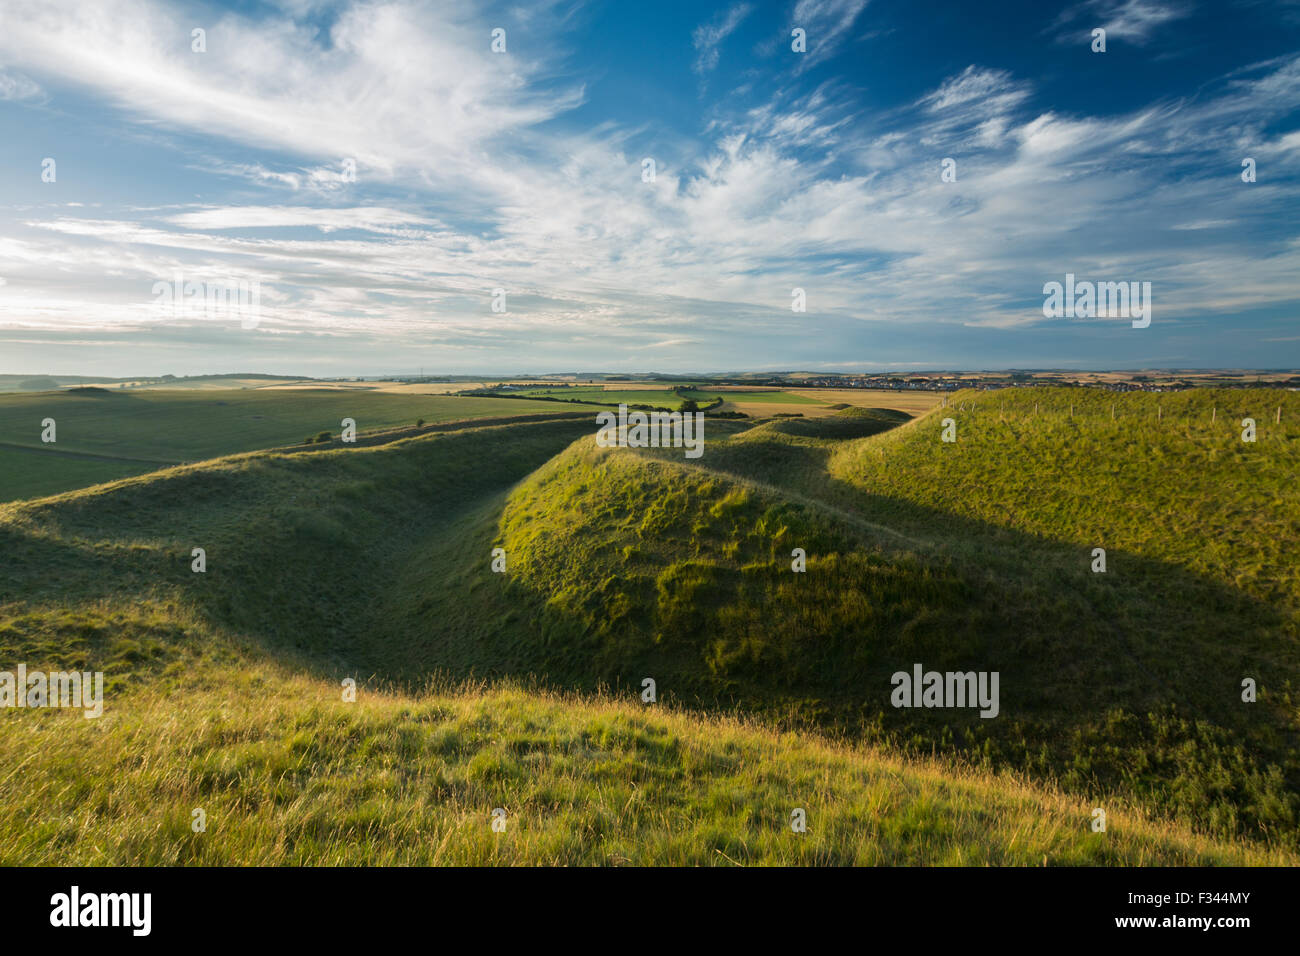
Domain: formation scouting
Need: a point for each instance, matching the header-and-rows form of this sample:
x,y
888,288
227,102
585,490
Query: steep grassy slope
x,y
626,564
299,548
655,566
1167,478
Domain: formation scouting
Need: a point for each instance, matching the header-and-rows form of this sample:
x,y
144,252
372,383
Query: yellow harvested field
x,y
392,388
206,385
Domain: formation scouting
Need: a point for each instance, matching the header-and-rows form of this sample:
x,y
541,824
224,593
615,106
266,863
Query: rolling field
x,y
760,403
36,472
521,690
107,434
912,402
744,397
663,398
754,402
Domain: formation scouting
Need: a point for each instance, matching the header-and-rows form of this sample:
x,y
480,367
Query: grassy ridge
x,y
1169,477
299,547
653,565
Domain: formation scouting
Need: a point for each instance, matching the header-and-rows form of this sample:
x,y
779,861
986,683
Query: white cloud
x,y
1136,21
826,22
708,36
459,191
13,86
1202,224
371,218
995,89
395,82
315,179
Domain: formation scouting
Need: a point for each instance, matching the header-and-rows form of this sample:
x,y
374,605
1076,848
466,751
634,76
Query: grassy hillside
x,y
287,773
1168,477
1121,688
649,564
103,434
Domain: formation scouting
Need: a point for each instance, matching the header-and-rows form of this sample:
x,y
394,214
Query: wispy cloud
x,y
1135,21
975,84
469,179
14,86
709,36
365,92
326,220
826,23
319,179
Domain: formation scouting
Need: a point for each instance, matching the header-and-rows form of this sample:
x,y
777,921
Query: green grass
x,y
974,556
660,398
286,773
31,472
1118,690
762,398
169,427
1160,480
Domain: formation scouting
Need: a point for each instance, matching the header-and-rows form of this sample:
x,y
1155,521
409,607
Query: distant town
x,y
1150,380
1147,381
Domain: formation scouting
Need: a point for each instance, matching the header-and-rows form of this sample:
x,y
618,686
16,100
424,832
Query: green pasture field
x,y
104,434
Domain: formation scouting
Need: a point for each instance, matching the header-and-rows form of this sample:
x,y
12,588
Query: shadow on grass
x,y
378,563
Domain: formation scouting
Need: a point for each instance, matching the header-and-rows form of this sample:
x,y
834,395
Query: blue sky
x,y
774,169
